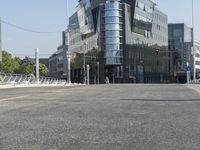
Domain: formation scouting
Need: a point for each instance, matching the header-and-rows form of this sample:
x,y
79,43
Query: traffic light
x,y
157,52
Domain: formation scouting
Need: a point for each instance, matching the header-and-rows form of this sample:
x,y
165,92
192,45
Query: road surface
x,y
106,117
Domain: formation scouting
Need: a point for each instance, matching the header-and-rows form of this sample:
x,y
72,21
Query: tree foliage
x,y
43,69
9,64
16,65
26,67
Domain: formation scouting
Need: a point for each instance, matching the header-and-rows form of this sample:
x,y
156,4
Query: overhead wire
x,y
29,30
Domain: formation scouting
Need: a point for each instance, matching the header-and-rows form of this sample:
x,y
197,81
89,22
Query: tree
x,y
26,67
9,64
43,69
1,78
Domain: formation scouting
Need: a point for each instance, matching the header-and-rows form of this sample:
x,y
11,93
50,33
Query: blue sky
x,y
51,15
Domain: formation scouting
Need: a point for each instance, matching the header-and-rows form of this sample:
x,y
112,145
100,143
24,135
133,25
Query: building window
x,y
131,70
119,71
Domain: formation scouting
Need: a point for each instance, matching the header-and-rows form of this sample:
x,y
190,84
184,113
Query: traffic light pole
x,y
0,43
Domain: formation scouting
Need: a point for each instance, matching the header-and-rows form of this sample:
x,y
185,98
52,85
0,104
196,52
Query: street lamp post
x,y
0,44
193,49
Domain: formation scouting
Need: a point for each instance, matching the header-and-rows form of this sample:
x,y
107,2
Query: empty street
x,y
104,117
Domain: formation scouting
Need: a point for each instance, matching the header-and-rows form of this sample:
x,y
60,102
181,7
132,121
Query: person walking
x,y
107,80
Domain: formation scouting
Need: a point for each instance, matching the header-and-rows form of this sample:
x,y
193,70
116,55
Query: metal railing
x,y
197,81
6,79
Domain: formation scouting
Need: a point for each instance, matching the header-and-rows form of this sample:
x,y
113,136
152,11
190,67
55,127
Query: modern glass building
x,y
180,45
113,33
131,37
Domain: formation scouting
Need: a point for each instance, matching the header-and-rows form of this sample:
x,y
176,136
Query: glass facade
x,y
112,26
125,32
112,33
180,41
143,17
113,53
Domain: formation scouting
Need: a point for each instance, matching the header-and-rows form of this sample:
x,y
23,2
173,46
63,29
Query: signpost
x,y
188,69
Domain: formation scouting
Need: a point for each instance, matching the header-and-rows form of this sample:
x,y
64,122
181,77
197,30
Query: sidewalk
x,y
36,85
195,87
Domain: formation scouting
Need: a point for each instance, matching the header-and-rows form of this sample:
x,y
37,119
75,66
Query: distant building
x,y
44,61
53,59
180,44
58,61
131,37
197,57
62,57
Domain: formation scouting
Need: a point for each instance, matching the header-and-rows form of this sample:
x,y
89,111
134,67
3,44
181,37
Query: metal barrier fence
x,y
27,79
197,81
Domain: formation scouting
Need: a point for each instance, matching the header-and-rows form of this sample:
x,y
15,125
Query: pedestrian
x,y
107,80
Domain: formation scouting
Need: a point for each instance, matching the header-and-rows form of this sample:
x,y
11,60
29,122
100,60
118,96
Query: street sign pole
x,y
188,73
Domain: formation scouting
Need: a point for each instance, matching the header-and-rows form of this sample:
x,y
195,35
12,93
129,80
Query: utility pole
x,y
193,49
68,47
0,42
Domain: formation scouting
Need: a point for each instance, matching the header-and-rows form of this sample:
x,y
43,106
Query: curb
x,y
195,87
36,85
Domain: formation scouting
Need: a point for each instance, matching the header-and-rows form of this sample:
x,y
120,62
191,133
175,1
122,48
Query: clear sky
x,y
51,16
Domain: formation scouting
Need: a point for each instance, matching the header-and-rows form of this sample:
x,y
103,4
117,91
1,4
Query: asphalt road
x,y
106,117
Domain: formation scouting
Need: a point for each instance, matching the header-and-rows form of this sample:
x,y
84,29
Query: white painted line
x,y
12,98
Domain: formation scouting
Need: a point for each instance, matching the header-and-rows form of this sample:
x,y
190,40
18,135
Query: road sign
x,y
189,68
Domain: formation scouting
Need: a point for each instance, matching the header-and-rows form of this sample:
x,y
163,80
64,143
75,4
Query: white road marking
x,y
13,98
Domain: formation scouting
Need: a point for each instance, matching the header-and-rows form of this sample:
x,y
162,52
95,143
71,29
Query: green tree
x,y
1,78
26,67
9,64
43,69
